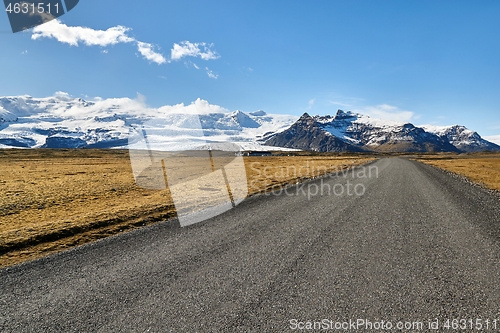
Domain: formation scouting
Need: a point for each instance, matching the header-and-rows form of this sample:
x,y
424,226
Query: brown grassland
x,y
51,200
483,169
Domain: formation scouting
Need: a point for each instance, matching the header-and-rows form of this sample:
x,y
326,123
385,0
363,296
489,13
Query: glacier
x,y
60,121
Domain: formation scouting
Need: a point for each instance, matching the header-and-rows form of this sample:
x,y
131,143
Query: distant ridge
x,y
61,121
352,132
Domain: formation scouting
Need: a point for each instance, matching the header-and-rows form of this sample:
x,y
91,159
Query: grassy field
x,y
51,200
483,169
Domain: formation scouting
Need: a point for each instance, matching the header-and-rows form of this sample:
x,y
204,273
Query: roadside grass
x,y
483,169
51,200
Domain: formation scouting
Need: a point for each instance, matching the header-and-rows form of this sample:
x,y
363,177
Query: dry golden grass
x,y
483,169
54,199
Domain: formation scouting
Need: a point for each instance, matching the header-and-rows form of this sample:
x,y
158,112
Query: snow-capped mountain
x,y
311,133
64,122
462,138
6,116
347,131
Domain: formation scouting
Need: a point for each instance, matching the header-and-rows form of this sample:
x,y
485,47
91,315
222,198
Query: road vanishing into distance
x,y
418,248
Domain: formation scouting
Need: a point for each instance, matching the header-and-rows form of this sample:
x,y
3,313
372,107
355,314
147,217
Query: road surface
x,y
418,245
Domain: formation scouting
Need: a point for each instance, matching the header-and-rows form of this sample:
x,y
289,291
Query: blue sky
x,y
428,62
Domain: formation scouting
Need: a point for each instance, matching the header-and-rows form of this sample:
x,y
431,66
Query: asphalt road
x,y
417,246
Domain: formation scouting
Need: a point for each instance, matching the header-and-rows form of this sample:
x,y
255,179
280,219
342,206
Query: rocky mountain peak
x,y
306,121
243,120
305,116
341,114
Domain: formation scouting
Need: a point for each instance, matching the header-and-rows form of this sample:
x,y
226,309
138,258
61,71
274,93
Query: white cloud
x,y
75,36
493,138
199,106
311,103
340,103
345,101
387,112
62,95
211,74
141,98
24,52
189,63
188,49
147,52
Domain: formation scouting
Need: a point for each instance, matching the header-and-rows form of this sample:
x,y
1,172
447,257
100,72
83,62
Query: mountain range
x,y
347,131
64,122
61,121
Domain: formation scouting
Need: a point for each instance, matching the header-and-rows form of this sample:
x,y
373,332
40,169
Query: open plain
x,y
480,168
51,200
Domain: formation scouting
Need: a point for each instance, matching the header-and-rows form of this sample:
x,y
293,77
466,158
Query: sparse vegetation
x,y
51,200
483,169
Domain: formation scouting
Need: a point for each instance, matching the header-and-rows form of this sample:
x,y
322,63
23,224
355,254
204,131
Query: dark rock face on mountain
x,y
348,131
17,142
308,134
64,142
409,138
